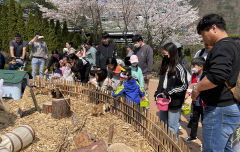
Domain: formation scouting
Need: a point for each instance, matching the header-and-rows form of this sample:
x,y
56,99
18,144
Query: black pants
x,y
85,73
193,124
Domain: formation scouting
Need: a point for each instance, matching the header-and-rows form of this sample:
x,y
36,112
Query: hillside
x,y
229,9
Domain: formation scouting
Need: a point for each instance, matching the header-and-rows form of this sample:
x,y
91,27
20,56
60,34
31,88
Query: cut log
x,y
47,107
60,108
99,146
82,140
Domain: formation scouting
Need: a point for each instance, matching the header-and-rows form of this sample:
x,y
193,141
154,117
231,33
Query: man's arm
x,y
204,84
149,62
12,51
23,53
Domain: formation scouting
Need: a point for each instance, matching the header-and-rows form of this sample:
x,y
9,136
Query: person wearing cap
x,y
56,57
38,55
18,48
145,56
105,50
136,70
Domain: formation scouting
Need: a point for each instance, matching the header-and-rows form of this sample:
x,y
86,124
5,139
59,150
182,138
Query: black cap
x,y
105,35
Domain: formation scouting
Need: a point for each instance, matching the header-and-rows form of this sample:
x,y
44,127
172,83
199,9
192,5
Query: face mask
x,y
137,45
134,64
165,56
194,70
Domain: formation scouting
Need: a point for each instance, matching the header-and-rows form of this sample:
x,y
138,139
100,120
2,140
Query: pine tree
x,y
52,24
65,32
37,23
52,36
20,22
30,27
12,20
58,32
4,29
45,27
77,40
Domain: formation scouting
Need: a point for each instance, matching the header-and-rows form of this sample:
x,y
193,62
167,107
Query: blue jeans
x,y
38,63
171,117
219,124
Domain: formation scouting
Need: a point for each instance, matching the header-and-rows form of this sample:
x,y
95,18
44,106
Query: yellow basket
x,y
144,103
186,108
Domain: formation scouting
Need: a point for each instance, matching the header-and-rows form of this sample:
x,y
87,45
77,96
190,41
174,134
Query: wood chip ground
x,y
51,132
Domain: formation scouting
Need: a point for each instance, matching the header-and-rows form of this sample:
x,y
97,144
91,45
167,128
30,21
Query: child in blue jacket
x,y
130,87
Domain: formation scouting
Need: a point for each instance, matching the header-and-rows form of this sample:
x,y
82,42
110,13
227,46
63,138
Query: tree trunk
x,y
60,108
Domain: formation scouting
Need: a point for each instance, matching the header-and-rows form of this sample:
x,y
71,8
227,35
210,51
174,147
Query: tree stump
x,y
60,108
99,146
82,140
47,107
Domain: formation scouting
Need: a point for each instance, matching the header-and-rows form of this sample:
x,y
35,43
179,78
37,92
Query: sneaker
x,y
189,139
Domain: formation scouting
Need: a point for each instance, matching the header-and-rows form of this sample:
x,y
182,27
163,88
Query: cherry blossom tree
x,y
69,10
168,20
157,20
123,13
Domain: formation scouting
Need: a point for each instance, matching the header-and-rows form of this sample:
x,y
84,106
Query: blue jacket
x,y
14,67
132,90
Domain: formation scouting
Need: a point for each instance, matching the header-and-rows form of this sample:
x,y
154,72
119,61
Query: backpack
x,y
235,90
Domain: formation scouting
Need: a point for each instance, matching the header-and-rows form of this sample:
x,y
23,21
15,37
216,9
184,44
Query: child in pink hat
x,y
136,70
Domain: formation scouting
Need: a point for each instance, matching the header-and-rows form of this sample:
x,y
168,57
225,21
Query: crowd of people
x,y
211,69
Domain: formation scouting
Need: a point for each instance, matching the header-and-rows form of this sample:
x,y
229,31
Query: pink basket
x,y
162,104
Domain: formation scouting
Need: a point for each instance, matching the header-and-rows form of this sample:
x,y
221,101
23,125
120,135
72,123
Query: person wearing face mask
x,y
172,85
197,106
136,70
145,56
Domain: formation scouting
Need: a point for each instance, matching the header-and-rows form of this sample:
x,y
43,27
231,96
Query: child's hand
x,y
187,95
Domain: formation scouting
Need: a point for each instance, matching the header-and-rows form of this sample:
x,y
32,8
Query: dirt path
x,y
194,146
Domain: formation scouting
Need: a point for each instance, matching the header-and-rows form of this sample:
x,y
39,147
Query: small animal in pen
x,y
56,93
100,109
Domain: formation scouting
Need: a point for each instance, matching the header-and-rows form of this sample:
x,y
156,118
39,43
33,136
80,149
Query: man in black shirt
x,y
105,50
18,48
221,114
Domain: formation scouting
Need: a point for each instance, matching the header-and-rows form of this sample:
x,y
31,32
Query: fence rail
x,y
157,133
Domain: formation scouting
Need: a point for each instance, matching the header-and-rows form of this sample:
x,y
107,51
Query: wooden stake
x,y
111,131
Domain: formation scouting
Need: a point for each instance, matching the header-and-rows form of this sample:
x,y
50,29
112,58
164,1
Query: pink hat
x,y
133,59
61,61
